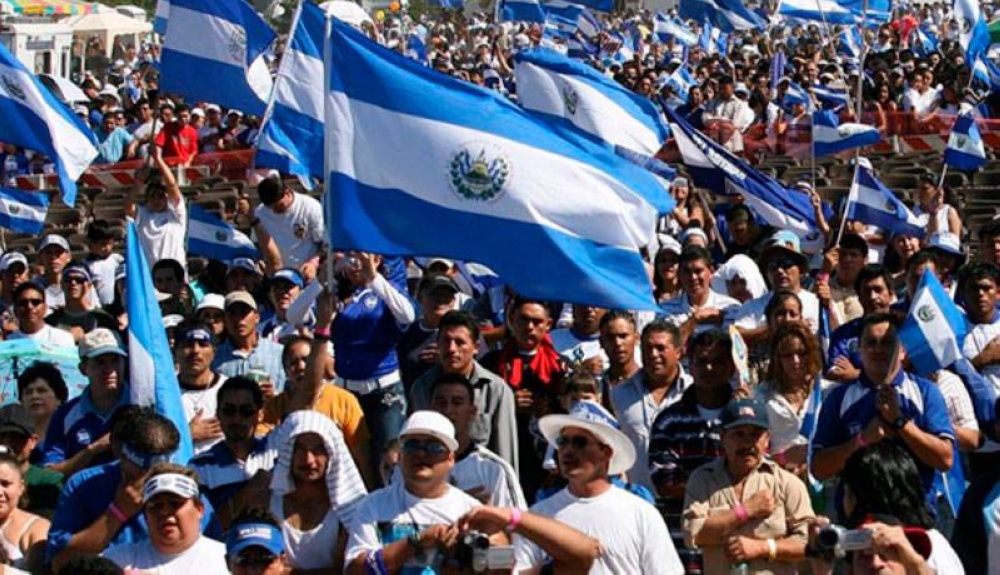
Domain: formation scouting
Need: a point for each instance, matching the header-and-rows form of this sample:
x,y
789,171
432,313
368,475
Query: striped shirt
x,y
221,475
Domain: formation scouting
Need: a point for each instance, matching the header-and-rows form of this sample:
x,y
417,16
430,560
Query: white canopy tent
x,y
108,25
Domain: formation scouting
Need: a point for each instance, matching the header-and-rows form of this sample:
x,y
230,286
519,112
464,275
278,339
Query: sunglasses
x,y
255,560
74,280
244,411
577,442
432,448
33,302
781,264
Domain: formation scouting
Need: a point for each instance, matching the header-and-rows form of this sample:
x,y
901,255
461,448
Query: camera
x,y
834,542
474,552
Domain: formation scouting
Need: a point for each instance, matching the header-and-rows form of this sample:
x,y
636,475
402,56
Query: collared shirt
x,y
851,406
680,309
75,425
111,145
710,491
636,411
297,231
340,405
87,496
221,475
266,356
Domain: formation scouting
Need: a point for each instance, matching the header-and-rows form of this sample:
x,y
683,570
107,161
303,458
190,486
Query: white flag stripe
x,y
23,211
301,84
201,25
630,227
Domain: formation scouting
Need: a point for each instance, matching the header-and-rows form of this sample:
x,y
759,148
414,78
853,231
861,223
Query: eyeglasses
x,y
254,559
245,411
781,264
32,302
577,442
74,280
430,447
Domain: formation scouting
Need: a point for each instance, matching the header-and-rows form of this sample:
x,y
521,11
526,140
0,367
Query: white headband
x,y
170,483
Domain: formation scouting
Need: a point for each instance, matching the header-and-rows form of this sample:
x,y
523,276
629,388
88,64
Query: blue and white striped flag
x,y
933,332
795,94
778,63
712,40
973,33
965,150
522,11
31,117
849,43
416,48
665,28
727,15
925,42
831,97
161,16
829,12
872,203
831,137
23,211
566,92
153,380
681,82
986,72
215,51
484,170
211,237
292,136
449,4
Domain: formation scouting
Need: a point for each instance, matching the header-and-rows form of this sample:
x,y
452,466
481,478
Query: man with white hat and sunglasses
x,y
590,450
173,511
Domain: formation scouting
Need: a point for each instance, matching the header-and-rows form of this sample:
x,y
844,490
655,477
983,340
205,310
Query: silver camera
x,y
834,541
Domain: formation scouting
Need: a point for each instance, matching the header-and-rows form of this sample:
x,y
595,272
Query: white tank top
x,y
13,550
311,549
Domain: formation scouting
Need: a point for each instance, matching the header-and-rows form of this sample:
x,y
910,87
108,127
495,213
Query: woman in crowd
x,y
739,278
41,389
934,209
665,281
22,534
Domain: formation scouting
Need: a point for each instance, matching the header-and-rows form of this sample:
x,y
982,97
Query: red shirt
x,y
178,142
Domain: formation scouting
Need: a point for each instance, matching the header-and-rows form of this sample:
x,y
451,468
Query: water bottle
x,y
739,569
10,170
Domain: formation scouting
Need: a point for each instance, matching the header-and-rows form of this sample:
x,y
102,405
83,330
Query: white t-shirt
x,y
483,468
297,232
680,309
103,271
943,559
634,539
163,234
751,315
393,514
205,400
205,556
48,334
976,340
576,348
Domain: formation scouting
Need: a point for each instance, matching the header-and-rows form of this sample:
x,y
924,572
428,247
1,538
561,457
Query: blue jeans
x,y
385,411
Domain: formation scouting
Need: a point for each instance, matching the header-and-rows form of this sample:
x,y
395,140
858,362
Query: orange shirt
x,y
338,404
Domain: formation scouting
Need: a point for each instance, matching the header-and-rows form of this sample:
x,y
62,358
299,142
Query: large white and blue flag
x,y
564,91
449,4
712,166
831,97
666,27
32,117
292,135
680,82
522,11
486,183
726,15
827,12
831,137
153,380
778,63
216,51
986,72
599,5
973,33
23,211
850,43
924,42
212,237
933,331
795,94
965,150
712,40
160,16
870,202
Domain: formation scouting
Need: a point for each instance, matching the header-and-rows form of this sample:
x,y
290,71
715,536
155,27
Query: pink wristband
x,y
741,513
861,441
117,513
515,520
322,332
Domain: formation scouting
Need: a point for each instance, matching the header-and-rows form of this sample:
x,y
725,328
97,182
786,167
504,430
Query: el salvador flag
x,y
712,40
566,92
161,16
23,211
831,137
421,164
712,166
522,11
151,365
829,11
213,238
934,329
666,28
925,42
965,149
681,82
850,42
778,63
31,117
416,48
872,203
214,52
726,15
795,94
292,136
834,98
973,35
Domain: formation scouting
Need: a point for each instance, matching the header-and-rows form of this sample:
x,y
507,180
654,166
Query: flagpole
x,y
944,172
327,57
850,194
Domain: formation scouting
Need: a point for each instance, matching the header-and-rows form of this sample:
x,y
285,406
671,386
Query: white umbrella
x,y
63,89
347,11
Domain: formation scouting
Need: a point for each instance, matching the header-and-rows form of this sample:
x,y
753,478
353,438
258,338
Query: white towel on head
x,y
743,267
342,477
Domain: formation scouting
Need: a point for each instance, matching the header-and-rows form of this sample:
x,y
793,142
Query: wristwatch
x,y
413,539
900,422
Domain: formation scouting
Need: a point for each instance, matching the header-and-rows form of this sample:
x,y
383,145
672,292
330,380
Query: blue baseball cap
x,y
289,275
254,535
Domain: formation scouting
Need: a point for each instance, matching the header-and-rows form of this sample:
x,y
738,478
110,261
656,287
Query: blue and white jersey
x,y
221,475
75,425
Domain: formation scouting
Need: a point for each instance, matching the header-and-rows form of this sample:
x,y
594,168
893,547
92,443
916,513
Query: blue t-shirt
x,y
111,145
849,408
75,425
265,356
87,496
844,342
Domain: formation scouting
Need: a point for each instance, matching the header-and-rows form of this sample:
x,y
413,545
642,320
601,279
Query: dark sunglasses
x,y
432,448
577,442
244,410
781,264
74,280
255,560
33,302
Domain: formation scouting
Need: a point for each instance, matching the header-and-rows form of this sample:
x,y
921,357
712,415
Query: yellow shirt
x,y
338,404
710,491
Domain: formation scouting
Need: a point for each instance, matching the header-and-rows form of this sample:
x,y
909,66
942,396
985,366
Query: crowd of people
x,y
413,417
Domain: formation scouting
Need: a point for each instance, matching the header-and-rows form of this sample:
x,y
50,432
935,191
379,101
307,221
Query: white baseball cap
x,y
431,423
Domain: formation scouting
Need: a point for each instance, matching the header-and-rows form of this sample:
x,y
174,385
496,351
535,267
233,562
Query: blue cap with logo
x,y
247,535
